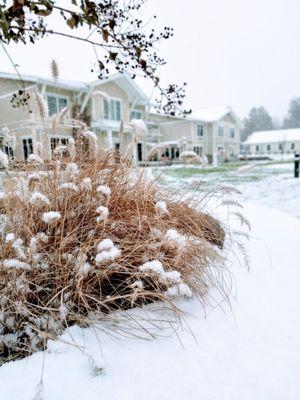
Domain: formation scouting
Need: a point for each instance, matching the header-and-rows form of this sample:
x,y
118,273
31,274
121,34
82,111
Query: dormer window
x,y
56,103
112,109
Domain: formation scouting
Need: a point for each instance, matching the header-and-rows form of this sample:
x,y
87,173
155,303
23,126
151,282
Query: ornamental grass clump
x,y
82,237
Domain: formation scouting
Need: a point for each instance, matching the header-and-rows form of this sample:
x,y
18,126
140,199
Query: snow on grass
x,y
103,213
176,239
16,264
69,186
152,266
161,207
107,251
34,158
86,184
251,353
51,216
180,290
38,197
104,190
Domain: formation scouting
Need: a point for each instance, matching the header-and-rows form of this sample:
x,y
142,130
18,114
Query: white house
x,y
284,141
213,132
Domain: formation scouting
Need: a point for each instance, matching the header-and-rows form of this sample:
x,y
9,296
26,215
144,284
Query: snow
x,y
152,266
51,216
249,353
103,213
38,197
107,255
107,251
175,238
105,244
277,136
161,207
180,290
86,184
104,190
72,169
69,186
248,350
10,237
212,114
138,125
35,158
172,276
91,135
3,160
188,153
14,263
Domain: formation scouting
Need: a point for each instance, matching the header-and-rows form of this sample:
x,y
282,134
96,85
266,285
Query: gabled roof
x,y
278,136
61,83
214,114
126,83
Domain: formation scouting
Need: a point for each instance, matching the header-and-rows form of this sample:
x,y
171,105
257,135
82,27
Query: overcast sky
x,y
239,52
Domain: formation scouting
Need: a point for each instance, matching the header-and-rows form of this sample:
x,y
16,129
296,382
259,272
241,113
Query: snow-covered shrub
x,y
85,238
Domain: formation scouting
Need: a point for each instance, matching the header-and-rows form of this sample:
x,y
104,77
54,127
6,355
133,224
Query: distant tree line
x,y
259,119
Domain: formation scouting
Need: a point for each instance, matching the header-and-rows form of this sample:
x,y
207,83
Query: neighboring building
x,y
108,107
213,132
285,141
103,104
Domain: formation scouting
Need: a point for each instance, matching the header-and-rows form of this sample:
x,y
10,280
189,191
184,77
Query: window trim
x,y
221,126
57,96
232,129
26,137
136,110
200,148
121,108
202,125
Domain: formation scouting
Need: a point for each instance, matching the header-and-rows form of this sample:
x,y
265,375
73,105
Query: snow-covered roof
x,y
62,83
213,114
282,135
126,83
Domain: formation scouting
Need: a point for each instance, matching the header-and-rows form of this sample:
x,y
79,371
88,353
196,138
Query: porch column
x,y
109,140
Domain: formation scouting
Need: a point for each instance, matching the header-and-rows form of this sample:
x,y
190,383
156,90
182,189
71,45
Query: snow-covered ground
x,y
268,184
250,351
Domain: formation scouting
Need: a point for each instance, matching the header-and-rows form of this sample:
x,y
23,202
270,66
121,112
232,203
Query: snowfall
x,y
248,349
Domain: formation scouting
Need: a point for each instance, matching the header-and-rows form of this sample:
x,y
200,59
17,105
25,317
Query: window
x,y
55,141
220,130
232,132
112,109
292,146
200,130
198,150
27,147
6,148
268,147
135,114
280,147
257,148
56,104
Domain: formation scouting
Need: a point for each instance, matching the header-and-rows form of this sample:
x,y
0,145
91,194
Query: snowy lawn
x,y
266,183
249,352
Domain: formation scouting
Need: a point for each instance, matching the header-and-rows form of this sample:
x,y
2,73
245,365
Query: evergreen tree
x,y
292,120
258,119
